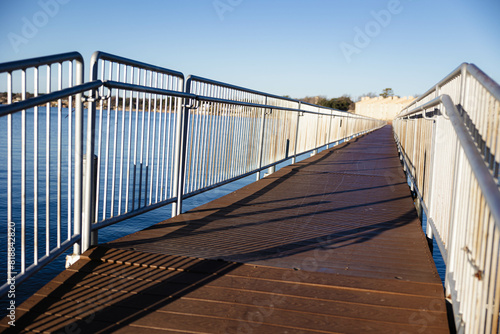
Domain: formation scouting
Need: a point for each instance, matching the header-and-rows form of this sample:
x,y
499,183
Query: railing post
x,y
89,238
453,229
344,132
315,151
411,157
463,85
433,169
78,194
180,150
88,188
77,218
329,140
294,159
271,169
261,141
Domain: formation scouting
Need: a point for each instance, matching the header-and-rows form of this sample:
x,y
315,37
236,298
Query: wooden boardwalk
x,y
328,245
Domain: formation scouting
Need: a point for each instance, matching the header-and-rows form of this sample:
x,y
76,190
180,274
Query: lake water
x,y
107,234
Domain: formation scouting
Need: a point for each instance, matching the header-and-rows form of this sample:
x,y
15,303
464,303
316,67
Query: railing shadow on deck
x,y
193,227
100,312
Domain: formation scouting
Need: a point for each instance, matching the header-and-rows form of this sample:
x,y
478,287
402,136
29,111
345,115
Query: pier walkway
x,y
330,244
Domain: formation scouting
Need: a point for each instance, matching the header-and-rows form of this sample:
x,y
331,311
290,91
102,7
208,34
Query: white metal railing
x,y
136,116
43,144
448,140
232,132
150,137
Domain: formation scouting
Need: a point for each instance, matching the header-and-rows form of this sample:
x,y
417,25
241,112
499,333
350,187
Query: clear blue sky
x,y
292,47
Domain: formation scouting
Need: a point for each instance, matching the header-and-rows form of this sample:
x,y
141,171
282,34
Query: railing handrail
x,y
487,82
100,55
23,64
146,89
441,83
263,94
6,109
231,86
470,69
152,90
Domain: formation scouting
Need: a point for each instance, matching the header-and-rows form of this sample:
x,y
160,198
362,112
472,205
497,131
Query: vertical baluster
x,y
161,134
70,149
153,140
122,142
141,155
11,256
136,133
115,144
106,154
129,141
59,156
23,175
47,167
35,171
99,152
148,139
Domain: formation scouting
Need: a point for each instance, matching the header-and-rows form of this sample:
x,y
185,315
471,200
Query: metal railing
x,y
151,138
43,146
448,140
136,119
233,132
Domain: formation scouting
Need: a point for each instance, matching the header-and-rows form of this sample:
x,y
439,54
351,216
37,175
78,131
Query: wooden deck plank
x,y
270,273
330,244
293,284
280,297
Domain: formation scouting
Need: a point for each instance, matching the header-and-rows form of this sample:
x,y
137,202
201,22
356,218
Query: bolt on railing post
x,y
180,150
294,159
261,140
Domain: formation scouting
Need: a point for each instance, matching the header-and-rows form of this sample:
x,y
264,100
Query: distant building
x,y
382,108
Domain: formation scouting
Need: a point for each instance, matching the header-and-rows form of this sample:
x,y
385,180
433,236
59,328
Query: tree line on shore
x,y
343,102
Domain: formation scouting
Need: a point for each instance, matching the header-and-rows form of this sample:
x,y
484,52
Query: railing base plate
x,y
70,259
